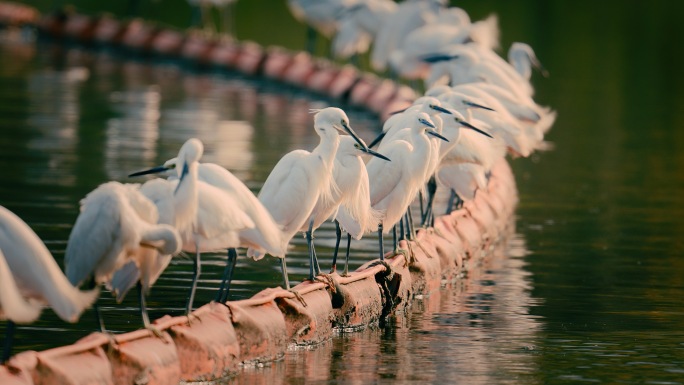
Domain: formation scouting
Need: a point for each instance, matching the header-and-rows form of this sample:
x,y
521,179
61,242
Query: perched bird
x,y
358,26
395,184
522,57
265,236
117,225
207,218
409,15
30,277
301,178
350,203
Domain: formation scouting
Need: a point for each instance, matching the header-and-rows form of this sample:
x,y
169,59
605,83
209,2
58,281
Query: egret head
x,y
461,121
425,123
190,152
337,119
432,106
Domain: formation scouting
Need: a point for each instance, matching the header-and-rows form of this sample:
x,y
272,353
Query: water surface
x,y
589,289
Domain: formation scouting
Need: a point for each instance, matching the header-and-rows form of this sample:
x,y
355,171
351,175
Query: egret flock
x,y
478,108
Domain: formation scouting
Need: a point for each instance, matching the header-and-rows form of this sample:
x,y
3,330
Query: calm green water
x,y
590,289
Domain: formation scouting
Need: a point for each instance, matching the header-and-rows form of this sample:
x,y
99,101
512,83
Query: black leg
x,y
402,230
98,316
420,200
196,270
409,225
450,204
431,190
222,295
96,307
143,306
394,236
9,339
309,242
382,246
338,233
283,268
346,258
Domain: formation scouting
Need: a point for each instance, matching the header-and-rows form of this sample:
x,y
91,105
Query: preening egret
x,y
265,236
395,184
301,178
352,196
117,225
29,276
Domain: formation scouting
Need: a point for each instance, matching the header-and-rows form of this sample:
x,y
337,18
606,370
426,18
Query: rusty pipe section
x,y
219,338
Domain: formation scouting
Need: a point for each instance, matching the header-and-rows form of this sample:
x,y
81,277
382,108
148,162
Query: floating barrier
x,y
216,339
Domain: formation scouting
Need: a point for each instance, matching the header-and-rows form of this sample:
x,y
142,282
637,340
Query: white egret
x,y
395,184
29,275
301,178
409,15
406,118
117,225
452,130
451,26
265,236
468,63
358,25
463,180
522,57
352,196
319,15
501,122
207,218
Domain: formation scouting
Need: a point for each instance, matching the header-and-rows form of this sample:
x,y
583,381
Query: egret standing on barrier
x,y
117,225
395,184
350,203
30,276
207,218
300,179
265,237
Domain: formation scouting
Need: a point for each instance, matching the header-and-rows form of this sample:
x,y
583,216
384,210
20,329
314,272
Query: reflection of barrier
x,y
217,338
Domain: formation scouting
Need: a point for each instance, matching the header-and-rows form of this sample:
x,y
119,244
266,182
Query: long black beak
x,y
376,154
182,176
441,109
475,105
353,135
425,122
377,140
153,170
437,135
468,125
436,58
